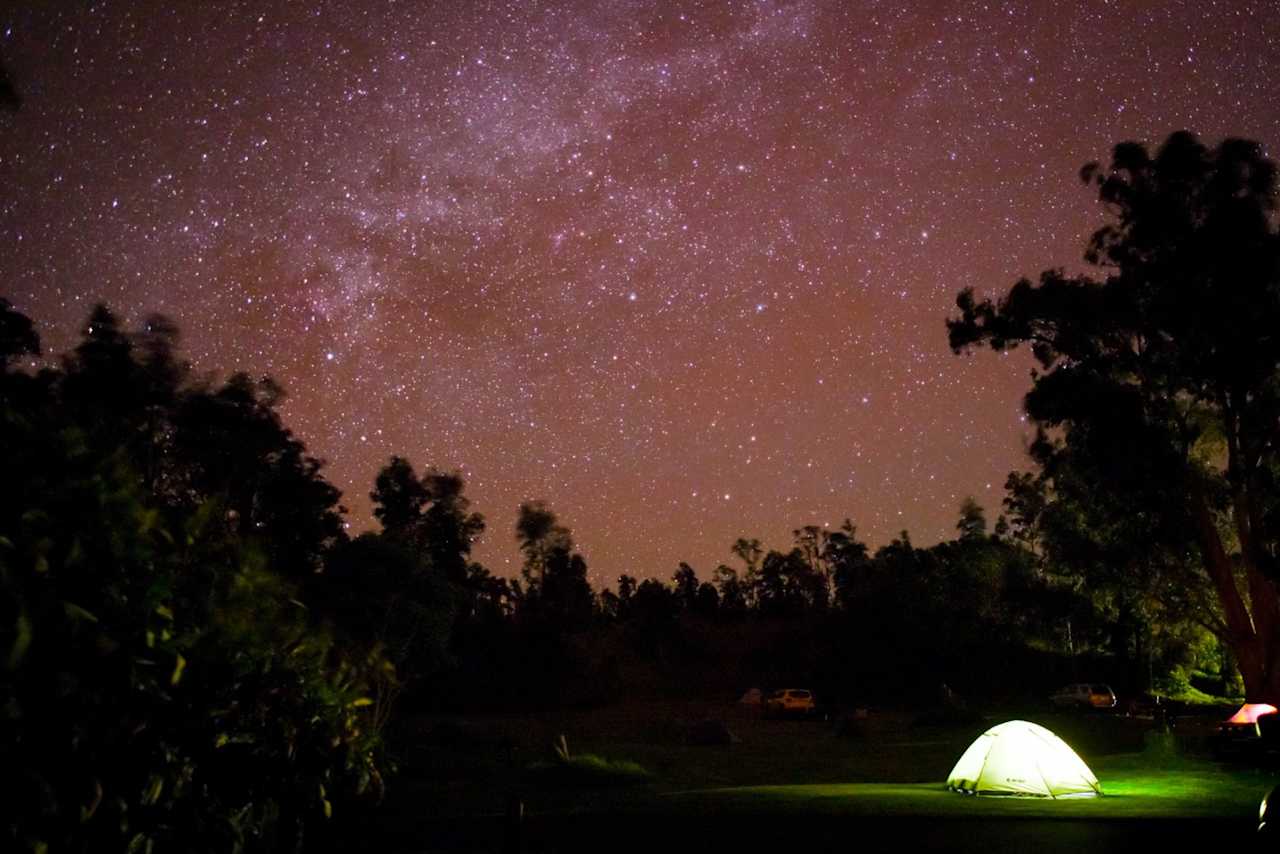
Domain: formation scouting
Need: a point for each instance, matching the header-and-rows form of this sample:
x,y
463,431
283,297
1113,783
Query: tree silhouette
x,y
430,514
771,585
381,591
811,541
557,593
706,602
147,613
566,599
1024,503
236,450
492,598
733,599
654,611
610,610
686,586
849,561
18,336
973,520
538,533
398,497
448,528
128,394
102,383
749,551
1157,386
626,592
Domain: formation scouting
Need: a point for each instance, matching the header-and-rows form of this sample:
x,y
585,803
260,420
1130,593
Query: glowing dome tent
x,y
1022,759
1250,712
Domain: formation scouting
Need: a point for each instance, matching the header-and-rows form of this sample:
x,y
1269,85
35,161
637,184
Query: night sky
x,y
679,269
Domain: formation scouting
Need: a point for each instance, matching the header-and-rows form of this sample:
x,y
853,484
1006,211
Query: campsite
x,y
808,783
627,426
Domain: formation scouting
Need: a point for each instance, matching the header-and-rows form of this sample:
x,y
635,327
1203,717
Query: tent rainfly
x,y
1250,712
1022,759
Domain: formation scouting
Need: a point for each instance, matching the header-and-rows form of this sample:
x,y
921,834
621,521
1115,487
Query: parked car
x,y
1086,695
790,701
1153,707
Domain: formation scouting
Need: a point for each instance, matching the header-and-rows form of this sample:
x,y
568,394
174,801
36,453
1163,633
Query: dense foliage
x,y
162,683
1158,391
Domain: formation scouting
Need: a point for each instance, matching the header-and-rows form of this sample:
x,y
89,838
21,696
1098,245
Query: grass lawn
x,y
1133,788
794,776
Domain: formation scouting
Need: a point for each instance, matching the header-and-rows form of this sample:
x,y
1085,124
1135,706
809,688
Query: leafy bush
x,y
161,685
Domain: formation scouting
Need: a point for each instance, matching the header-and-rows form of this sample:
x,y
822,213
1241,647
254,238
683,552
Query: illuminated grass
x,y
794,769
1131,789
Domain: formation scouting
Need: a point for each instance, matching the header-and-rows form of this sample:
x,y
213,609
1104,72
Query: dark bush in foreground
x,y
161,686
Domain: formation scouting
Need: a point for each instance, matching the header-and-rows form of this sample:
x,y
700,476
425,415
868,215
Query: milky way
x,y
679,269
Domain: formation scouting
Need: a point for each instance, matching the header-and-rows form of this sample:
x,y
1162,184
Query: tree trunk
x,y
1251,642
1265,606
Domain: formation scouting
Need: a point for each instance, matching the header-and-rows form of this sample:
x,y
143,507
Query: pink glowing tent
x,y
1250,712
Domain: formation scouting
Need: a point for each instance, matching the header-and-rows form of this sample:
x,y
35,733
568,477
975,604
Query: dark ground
x,y
800,785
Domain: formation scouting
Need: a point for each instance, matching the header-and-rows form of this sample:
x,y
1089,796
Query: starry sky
x,y
678,268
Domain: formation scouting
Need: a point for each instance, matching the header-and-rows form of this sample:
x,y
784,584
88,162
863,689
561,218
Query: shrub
x,y
161,685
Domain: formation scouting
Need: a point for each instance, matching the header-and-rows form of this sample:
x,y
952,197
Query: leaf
x,y
164,611
362,701
178,666
147,520
21,640
36,515
154,788
75,612
87,810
